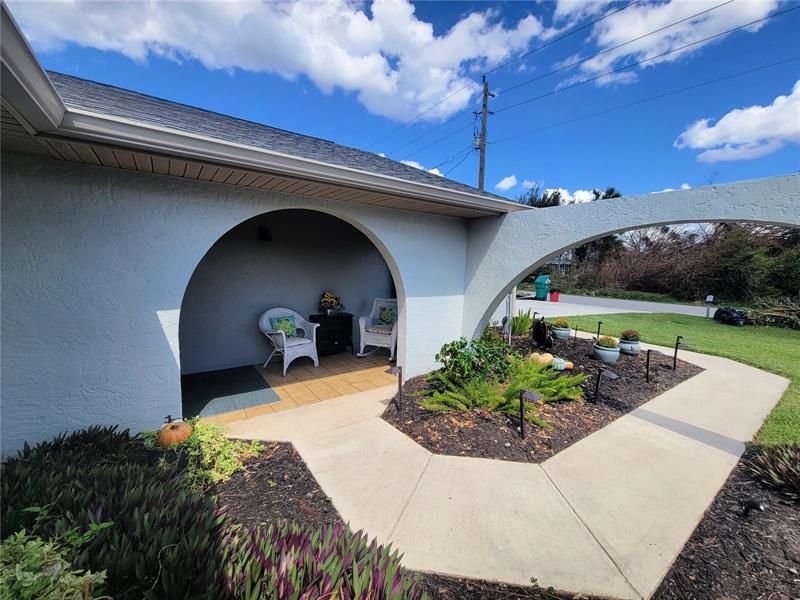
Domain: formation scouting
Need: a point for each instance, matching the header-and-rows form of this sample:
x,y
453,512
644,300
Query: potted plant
x,y
330,303
561,329
629,342
606,349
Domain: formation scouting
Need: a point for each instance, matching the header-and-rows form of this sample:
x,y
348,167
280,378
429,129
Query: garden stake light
x,y
647,368
397,370
679,343
575,337
599,323
525,396
600,374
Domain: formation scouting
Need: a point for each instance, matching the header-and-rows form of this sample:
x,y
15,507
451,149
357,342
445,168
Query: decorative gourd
x,y
569,366
173,432
544,359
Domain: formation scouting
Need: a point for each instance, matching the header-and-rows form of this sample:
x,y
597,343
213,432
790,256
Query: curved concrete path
x,y
606,516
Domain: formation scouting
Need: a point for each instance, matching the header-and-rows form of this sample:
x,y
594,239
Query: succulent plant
x,y
630,335
561,323
606,341
778,467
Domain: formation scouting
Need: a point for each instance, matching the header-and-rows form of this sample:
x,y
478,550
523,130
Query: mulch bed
x,y
735,557
440,587
274,486
490,435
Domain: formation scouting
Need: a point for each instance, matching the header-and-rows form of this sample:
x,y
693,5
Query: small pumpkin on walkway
x,y
173,432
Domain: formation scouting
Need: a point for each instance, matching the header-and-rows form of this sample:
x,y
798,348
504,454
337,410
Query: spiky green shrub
x,y
467,360
33,569
561,323
630,335
209,456
452,394
521,324
292,562
778,467
550,384
606,341
164,541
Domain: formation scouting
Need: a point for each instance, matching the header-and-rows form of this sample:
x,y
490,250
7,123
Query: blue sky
x,y
354,72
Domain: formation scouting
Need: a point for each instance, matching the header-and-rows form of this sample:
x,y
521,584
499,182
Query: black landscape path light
x,y
599,323
575,337
600,374
398,370
679,343
647,368
525,396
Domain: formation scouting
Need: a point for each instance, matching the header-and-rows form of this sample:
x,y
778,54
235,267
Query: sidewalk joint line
x,y
589,529
411,495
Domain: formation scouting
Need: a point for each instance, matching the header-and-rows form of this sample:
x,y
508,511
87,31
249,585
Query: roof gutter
x,y
26,87
86,126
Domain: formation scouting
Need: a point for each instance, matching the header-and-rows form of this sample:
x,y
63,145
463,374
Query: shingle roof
x,y
109,100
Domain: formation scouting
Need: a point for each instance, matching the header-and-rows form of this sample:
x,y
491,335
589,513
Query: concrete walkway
x,y
606,516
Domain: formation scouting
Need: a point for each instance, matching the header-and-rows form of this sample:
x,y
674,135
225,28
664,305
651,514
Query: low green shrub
x,y
561,323
33,569
492,336
452,394
522,323
209,456
630,335
291,562
606,341
550,384
466,360
778,467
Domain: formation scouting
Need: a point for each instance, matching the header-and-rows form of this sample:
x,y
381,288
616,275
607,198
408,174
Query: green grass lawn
x,y
772,349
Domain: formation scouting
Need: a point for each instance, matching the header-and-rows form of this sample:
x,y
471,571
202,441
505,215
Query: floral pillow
x,y
285,324
387,316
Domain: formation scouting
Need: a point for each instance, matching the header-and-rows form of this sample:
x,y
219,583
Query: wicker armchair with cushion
x,y
290,335
379,327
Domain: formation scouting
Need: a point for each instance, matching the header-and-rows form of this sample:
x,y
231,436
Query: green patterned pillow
x,y
285,324
387,316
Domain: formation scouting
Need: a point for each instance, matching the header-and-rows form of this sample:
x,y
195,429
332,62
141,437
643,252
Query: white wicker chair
x,y
291,347
377,334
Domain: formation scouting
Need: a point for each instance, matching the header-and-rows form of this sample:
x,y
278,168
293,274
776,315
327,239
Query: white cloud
x,y
644,18
528,184
393,61
416,165
577,197
746,133
685,186
506,183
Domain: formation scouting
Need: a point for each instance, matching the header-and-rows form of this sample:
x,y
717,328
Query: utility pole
x,y
485,112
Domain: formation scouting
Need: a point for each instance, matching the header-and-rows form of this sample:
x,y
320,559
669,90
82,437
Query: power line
x,y
452,157
501,66
639,62
458,164
617,47
457,114
645,100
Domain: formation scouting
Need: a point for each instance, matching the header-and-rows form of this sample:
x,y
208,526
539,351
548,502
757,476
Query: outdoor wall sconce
x,y
647,368
525,396
600,374
398,401
599,323
679,343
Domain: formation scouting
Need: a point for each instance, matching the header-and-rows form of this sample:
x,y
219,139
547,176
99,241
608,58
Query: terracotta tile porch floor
x,y
337,375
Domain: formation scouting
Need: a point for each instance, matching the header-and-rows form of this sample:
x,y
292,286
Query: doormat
x,y
215,392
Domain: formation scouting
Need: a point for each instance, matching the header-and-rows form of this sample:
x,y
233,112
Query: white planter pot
x,y
630,348
562,333
607,355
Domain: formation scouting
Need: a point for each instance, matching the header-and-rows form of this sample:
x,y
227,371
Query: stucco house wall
x,y
242,275
95,263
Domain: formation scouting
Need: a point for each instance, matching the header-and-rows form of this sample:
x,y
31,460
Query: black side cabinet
x,y
335,332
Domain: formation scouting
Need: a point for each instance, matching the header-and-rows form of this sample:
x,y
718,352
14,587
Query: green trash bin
x,y
542,285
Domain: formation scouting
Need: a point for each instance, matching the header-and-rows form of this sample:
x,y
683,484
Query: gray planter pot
x,y
562,333
630,348
607,355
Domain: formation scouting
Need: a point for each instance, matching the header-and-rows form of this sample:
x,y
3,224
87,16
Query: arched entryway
x,y
284,258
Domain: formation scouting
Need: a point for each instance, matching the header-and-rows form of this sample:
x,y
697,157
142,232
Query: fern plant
x,y
545,381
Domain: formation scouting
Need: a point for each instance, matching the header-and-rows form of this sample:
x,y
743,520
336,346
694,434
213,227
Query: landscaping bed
x,y
734,556
495,435
275,485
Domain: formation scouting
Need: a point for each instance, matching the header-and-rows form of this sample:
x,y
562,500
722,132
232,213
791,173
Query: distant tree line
x,y
735,262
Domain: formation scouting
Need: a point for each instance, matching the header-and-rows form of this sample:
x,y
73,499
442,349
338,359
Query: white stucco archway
x,y
502,251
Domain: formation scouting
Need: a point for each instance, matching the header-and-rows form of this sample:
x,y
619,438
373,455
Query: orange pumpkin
x,y
173,433
569,365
